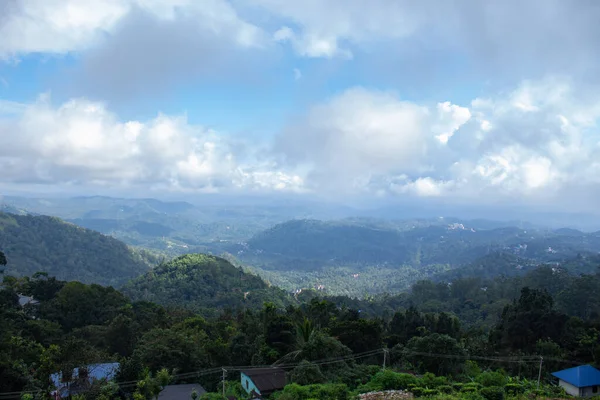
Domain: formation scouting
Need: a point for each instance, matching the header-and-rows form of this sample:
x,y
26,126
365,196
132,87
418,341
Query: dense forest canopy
x,y
203,283
435,328
66,251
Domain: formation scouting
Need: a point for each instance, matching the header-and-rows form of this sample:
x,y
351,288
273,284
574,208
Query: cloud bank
x,y
535,140
538,142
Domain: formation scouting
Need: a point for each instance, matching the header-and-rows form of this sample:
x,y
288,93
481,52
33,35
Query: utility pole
x,y
224,375
385,351
540,373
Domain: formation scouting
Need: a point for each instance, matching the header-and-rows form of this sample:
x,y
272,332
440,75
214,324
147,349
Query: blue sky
x,y
386,99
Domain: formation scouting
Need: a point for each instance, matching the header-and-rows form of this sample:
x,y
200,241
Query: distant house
x,y
180,392
25,300
582,381
81,379
263,381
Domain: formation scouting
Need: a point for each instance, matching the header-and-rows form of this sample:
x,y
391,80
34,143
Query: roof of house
x,y
582,376
180,392
95,372
266,379
24,300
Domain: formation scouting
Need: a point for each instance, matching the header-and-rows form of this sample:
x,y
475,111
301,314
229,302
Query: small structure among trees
x,y
582,381
262,382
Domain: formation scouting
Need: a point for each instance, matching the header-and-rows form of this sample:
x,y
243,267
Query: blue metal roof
x,y
582,376
106,371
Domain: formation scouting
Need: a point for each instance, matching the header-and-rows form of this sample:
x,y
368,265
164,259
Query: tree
x,y
172,349
150,386
435,344
307,373
360,335
528,320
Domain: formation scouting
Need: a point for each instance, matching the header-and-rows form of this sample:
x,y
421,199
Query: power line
x,y
510,359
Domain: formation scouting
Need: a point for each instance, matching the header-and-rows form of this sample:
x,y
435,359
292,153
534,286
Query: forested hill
x,y
320,243
203,283
47,244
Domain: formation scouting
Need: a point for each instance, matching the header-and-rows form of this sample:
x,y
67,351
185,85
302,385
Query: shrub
x,y
492,393
307,373
429,380
445,389
491,378
389,380
429,392
514,388
328,391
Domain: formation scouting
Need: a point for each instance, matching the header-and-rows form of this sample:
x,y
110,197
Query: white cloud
x,y
323,26
539,141
510,37
63,26
128,48
82,142
56,26
360,142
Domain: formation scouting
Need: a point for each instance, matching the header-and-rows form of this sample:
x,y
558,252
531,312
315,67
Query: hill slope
x,y
48,244
201,282
344,242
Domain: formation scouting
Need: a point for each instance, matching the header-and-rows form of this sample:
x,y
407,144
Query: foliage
x,y
307,373
492,393
323,392
203,283
66,251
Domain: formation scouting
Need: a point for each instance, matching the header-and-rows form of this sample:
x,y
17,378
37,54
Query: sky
x,y
446,102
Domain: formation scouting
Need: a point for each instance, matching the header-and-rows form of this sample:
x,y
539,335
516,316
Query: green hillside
x,y
201,282
319,243
66,251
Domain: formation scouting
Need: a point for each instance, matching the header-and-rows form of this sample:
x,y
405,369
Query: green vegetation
x,y
172,228
66,251
365,257
447,334
203,284
355,257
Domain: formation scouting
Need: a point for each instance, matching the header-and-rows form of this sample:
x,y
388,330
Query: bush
x,y
323,392
429,380
491,378
307,373
445,389
492,393
514,388
329,391
429,392
389,380
470,387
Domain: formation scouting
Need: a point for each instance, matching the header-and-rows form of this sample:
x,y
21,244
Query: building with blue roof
x,y
82,378
582,381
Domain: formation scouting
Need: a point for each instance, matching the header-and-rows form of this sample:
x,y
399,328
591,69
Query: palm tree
x,y
305,330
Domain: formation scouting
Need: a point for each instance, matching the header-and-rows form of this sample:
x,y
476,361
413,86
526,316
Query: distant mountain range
x,y
292,247
415,243
173,228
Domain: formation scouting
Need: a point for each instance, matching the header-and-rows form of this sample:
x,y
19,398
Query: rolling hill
x,y
203,283
354,242
47,244
171,227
